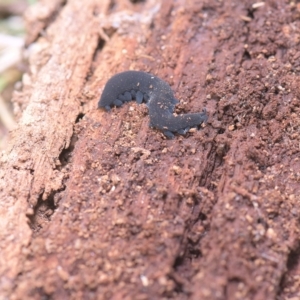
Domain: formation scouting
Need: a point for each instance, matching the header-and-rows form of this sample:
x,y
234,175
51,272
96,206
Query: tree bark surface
x,y
97,205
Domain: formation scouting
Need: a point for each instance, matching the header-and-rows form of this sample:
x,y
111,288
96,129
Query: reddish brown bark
x,y
97,205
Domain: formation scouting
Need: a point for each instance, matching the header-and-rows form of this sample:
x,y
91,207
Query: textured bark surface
x,y
97,205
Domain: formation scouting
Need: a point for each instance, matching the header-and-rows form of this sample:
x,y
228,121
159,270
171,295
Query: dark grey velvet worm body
x,y
158,96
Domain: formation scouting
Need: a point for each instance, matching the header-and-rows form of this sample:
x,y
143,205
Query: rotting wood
x,y
214,215
31,169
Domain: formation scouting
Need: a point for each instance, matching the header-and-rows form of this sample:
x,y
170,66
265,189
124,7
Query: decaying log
x,y
97,205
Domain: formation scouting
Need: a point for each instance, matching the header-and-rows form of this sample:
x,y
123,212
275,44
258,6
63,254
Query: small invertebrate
x,y
156,94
